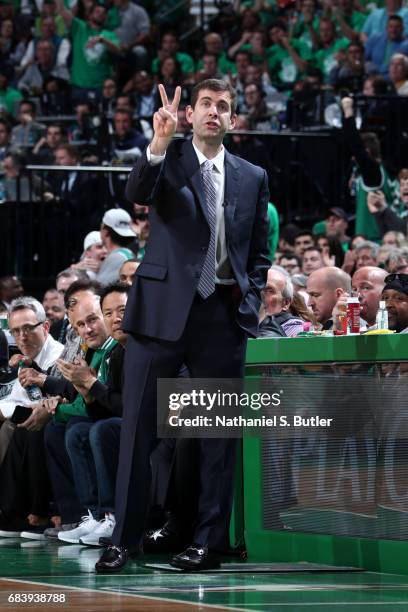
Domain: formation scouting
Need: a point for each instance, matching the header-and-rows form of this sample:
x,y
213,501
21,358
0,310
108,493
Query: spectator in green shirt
x,y
169,47
9,97
306,26
326,57
254,43
213,44
287,59
350,22
94,48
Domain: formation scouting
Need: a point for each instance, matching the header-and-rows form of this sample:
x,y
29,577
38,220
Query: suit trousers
x,y
24,483
212,346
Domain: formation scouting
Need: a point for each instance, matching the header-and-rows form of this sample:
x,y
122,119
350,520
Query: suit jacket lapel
x,y
191,167
232,187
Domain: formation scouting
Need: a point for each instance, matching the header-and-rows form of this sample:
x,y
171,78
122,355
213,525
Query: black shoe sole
x,y
110,570
188,567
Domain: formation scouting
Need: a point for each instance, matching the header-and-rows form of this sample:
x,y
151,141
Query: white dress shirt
x,y
48,355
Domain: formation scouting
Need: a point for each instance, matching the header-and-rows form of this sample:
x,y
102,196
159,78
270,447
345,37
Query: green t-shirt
x,y
224,65
256,59
325,59
267,16
9,98
366,222
319,229
184,59
60,28
273,229
90,67
356,21
301,32
282,68
99,362
113,19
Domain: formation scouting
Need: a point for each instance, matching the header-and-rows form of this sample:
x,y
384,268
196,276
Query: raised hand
x,y
165,122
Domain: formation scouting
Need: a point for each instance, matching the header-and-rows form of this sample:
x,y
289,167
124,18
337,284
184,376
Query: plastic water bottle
x,y
382,316
33,391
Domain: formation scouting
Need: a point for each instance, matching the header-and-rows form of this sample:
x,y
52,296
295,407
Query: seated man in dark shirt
x,y
93,445
127,143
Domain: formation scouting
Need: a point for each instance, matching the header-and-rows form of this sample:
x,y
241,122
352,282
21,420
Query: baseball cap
x,y
118,220
91,239
337,212
397,281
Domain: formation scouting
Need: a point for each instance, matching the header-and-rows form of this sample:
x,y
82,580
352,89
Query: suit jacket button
x,y
204,249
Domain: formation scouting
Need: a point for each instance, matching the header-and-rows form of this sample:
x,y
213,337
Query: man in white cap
x,y
117,235
93,255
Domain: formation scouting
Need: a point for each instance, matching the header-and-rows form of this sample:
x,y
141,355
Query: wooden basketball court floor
x,y
48,576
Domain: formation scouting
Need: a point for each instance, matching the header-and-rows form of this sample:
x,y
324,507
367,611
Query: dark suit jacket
x,y
166,282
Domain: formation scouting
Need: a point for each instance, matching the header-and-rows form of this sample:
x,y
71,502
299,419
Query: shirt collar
x,y
218,160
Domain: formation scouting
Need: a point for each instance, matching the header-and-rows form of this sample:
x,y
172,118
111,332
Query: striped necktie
x,y
206,284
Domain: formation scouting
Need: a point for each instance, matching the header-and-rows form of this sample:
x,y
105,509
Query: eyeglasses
x,y
398,276
24,329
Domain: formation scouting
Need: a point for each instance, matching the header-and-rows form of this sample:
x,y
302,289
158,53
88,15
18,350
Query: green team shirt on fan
x,y
224,65
269,12
302,34
90,67
282,68
325,59
356,21
366,223
9,98
273,230
184,59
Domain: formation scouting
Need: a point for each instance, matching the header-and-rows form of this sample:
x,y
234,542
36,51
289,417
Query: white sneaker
x,y
104,530
87,525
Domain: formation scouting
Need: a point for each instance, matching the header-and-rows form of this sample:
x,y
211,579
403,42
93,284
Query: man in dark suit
x,y
194,300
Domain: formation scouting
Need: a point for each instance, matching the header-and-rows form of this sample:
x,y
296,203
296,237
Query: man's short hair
x,y
336,278
18,159
30,103
123,111
243,52
21,303
6,125
287,291
56,125
403,174
114,288
313,248
81,285
400,56
70,149
290,255
214,85
372,143
395,17
70,273
367,244
304,233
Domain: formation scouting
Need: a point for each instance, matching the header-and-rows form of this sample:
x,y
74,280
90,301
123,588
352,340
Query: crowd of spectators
x,y
78,87
80,63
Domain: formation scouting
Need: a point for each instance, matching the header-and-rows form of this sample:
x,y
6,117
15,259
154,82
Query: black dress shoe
x,y
113,559
161,540
195,559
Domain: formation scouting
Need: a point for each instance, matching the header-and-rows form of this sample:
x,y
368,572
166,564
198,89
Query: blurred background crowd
x,y
78,89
